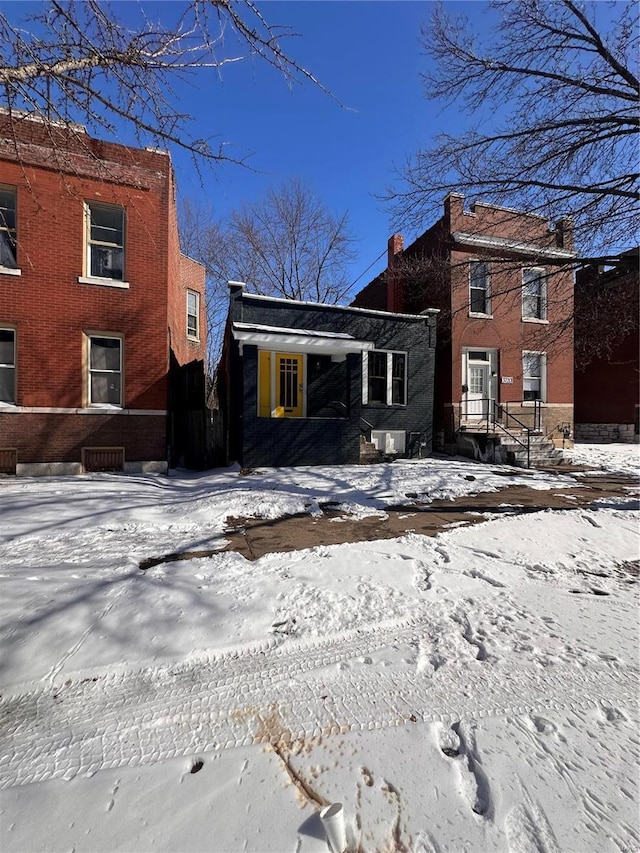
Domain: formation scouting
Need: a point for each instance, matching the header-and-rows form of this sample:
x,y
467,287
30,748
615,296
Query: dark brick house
x,y
95,301
607,376
303,383
503,282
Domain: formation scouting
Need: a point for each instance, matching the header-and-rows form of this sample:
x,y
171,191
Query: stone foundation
x,y
606,433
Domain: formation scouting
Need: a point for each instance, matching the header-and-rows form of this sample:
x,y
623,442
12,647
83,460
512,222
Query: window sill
x,y
193,339
103,282
531,403
385,405
537,320
103,407
478,316
10,271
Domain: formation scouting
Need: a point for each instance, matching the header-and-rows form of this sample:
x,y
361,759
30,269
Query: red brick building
x,y
502,280
607,375
96,301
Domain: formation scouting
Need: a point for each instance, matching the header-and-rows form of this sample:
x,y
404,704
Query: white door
x,y
478,393
477,380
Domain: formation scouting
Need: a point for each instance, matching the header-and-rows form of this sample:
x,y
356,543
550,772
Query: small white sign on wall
x,y
506,380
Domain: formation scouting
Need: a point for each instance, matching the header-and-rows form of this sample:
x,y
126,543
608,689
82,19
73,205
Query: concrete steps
x,y
542,452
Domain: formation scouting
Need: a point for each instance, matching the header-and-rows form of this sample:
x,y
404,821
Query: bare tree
x,y
82,62
561,80
287,244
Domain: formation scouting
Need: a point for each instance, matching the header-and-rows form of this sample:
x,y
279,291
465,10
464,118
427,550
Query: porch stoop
x,y
369,453
486,444
542,452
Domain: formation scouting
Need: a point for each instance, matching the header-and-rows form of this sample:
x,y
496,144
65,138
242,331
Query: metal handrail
x,y
494,410
498,408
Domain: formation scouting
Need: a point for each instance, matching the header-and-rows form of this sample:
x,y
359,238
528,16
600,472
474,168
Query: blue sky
x,y
368,54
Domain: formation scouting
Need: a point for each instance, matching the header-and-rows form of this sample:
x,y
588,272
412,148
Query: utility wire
x,y
355,281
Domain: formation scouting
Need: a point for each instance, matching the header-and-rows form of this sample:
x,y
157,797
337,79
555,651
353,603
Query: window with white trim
x,y
534,294
8,245
534,378
193,314
105,241
7,366
384,378
104,370
479,288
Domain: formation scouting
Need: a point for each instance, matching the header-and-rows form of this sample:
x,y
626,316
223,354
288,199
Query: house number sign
x,y
506,380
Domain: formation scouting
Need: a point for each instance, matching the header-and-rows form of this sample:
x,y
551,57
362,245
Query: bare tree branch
x,y
562,80
288,244
79,62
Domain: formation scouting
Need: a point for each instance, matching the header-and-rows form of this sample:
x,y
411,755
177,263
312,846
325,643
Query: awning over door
x,y
298,340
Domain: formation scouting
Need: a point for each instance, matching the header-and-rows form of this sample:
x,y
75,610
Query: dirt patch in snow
x,y
255,537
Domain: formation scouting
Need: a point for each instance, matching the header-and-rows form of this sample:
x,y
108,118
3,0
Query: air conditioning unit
x,y
389,441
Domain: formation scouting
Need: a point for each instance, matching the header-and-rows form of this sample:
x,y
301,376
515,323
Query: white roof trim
x,y
374,311
256,327
297,340
509,245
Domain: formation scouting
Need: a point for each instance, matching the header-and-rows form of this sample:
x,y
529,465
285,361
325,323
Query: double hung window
x,y
8,252
105,241
105,370
533,376
479,290
193,314
534,296
385,379
7,366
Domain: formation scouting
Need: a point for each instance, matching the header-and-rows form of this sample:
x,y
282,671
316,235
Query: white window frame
x,y
10,234
194,336
487,289
11,366
90,336
389,378
542,378
541,276
90,243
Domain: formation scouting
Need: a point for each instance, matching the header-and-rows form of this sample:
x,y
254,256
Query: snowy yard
x,y
473,691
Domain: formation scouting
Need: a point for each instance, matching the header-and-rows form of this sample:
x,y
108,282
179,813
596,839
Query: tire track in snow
x,y
270,693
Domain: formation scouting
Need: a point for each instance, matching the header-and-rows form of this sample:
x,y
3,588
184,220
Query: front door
x,y
288,385
477,383
477,395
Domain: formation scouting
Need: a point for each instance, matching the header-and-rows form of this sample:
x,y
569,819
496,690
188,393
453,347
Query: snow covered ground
x,y
472,691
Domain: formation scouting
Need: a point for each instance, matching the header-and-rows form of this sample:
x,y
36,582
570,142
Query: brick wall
x,y
606,383
53,437
52,311
436,269
300,441
190,276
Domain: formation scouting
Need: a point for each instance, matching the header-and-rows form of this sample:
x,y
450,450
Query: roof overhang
x,y
515,247
297,340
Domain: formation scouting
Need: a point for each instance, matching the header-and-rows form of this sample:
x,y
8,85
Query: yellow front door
x,y
288,385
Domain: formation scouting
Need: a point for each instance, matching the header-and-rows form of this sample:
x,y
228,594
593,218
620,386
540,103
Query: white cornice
x,y
515,246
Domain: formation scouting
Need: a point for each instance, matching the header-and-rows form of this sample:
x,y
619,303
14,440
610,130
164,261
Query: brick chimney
x,y
564,233
395,299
